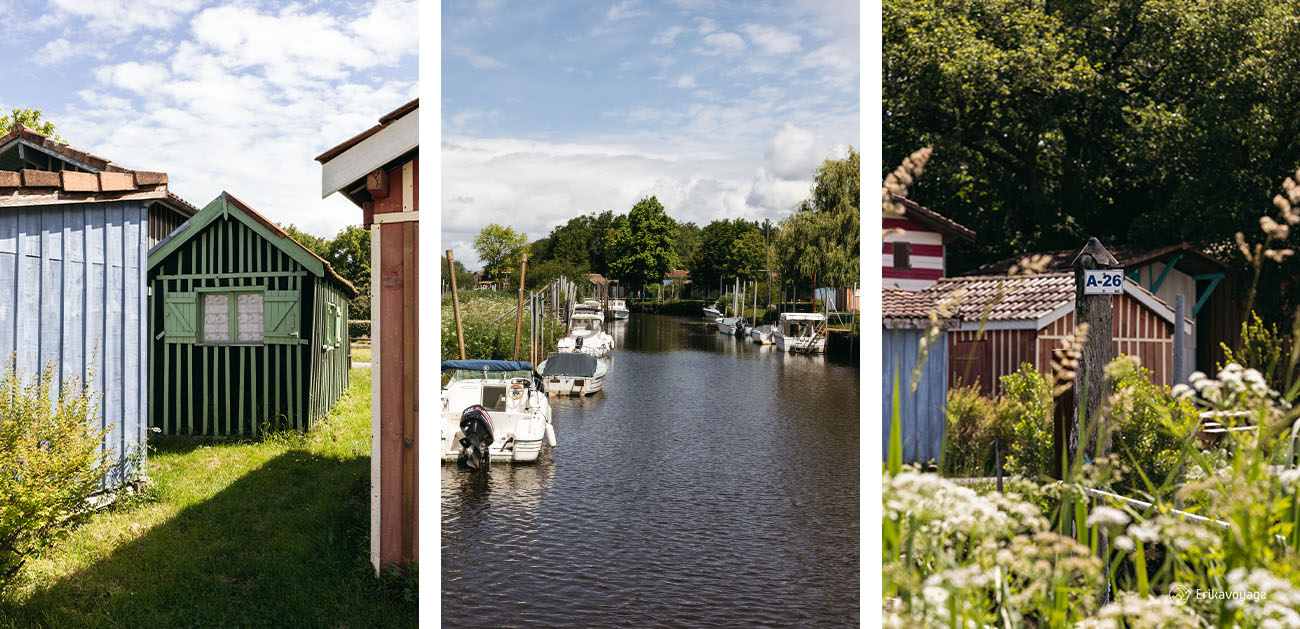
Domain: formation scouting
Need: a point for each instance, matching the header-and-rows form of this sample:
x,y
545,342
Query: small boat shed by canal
x,y
922,418
74,233
378,170
249,327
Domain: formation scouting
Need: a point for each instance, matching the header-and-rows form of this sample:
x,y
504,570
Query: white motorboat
x,y
801,332
712,313
761,334
494,410
573,373
589,306
587,335
619,309
731,325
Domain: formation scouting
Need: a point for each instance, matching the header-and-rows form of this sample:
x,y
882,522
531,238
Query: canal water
x,y
713,483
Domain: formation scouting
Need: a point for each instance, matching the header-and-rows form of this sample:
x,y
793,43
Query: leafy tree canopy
x,y
316,244
728,249
821,241
499,248
31,118
464,279
641,247
1141,123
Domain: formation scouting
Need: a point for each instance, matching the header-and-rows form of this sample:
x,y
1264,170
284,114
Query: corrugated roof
x,y
1025,297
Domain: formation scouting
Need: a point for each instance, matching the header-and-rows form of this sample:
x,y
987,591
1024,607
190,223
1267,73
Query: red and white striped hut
x,y
914,259
1034,316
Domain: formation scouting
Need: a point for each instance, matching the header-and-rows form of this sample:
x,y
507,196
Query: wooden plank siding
x,y
209,389
1003,351
922,416
71,296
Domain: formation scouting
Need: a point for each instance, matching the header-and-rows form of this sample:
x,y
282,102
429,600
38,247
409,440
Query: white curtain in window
x,y
250,317
216,317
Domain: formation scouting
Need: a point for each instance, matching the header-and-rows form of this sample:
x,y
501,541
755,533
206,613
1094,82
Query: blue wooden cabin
x,y
74,233
922,413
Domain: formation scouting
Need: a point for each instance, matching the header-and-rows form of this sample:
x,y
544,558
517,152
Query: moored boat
x,y
587,335
494,410
731,325
801,332
761,334
712,313
573,373
619,309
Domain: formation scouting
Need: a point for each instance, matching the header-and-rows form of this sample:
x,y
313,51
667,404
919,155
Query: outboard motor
x,y
577,343
477,426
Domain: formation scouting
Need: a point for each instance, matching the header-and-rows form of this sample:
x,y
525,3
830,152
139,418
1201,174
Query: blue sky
x,y
720,109
236,96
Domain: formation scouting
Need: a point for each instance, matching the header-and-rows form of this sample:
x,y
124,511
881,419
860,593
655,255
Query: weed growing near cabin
x,y
50,461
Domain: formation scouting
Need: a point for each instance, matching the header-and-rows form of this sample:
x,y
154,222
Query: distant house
x,y
678,282
378,170
1034,316
1168,271
75,230
916,258
921,414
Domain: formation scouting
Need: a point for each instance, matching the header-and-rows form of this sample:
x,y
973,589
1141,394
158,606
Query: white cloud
x,y
722,43
133,76
666,36
771,40
685,82
794,152
59,50
706,26
244,100
535,186
119,17
478,60
624,10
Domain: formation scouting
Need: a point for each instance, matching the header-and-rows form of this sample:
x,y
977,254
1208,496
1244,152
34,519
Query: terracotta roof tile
x,y
1024,297
902,304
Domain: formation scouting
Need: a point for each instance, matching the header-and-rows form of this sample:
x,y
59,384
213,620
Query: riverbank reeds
x,y
489,327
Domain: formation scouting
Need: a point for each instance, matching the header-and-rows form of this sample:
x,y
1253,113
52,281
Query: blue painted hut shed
x,y
906,319
74,233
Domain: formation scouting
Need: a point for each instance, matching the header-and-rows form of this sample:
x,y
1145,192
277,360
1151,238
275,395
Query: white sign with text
x,y
1103,281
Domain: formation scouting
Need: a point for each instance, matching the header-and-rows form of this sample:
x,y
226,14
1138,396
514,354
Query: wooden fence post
x,y
1062,422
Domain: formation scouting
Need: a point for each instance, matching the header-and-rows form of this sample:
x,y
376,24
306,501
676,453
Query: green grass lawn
x,y
233,532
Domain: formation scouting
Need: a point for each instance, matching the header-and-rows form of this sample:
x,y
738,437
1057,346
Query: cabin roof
x,y
1026,298
223,206
345,166
1193,260
925,216
36,169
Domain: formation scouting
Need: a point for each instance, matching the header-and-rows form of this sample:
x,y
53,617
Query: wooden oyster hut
x,y
248,327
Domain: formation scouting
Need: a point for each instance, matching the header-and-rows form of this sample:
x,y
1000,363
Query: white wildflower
x,y
1107,516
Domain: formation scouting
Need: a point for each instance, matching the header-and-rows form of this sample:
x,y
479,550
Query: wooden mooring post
x,y
455,305
519,310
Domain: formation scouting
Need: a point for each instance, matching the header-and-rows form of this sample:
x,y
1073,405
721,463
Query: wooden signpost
x,y
1093,306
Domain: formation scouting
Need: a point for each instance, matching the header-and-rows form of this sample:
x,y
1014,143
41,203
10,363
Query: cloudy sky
x,y
236,96
720,109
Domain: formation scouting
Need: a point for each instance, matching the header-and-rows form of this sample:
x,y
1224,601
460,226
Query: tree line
x,y
817,244
1142,123
349,253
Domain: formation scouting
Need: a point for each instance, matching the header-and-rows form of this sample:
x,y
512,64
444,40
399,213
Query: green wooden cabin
x,y
248,327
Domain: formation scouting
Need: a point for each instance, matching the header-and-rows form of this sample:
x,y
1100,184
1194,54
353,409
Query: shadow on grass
x,y
285,544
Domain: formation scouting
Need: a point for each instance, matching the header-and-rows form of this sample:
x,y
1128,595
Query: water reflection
x,y
714,482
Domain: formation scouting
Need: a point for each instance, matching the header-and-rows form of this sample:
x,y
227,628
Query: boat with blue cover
x,y
494,410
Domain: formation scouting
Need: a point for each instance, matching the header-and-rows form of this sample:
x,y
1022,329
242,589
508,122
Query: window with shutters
x,y
231,318
331,326
902,255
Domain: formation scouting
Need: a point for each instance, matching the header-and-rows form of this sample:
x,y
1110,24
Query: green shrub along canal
x,y
712,482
